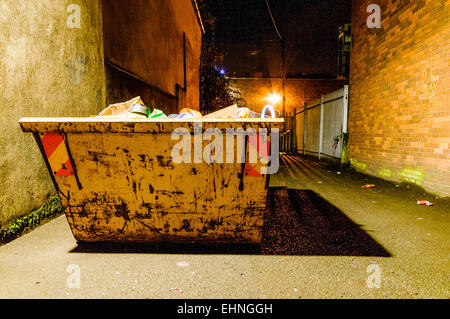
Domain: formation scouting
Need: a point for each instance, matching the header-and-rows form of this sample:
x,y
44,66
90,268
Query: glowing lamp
x,y
274,98
220,70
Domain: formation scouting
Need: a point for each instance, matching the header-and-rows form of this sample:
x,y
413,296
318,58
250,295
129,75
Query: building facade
x,y
152,49
399,118
344,47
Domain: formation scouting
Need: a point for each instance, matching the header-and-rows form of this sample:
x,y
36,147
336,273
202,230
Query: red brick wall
x,y
399,118
254,91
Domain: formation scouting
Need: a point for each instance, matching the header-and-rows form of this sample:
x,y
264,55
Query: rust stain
x,y
164,162
122,211
186,226
142,157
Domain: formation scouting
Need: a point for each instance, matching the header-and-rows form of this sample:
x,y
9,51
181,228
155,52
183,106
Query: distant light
x,y
274,98
220,70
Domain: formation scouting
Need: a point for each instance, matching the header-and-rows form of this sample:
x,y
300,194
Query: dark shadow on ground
x,y
298,222
168,248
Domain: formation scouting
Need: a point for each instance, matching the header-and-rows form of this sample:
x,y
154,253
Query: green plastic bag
x,y
157,114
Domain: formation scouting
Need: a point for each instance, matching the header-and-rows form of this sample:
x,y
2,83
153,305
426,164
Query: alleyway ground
x,y
319,241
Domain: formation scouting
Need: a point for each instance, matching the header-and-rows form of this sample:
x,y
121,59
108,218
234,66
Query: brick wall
x,y
254,91
399,118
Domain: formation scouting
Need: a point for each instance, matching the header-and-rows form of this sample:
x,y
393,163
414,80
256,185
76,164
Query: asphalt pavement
x,y
326,238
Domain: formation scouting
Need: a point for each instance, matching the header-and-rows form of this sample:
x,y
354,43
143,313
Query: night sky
x,y
310,28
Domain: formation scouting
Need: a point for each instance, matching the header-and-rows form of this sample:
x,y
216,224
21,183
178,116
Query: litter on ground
x,y
182,264
176,289
424,202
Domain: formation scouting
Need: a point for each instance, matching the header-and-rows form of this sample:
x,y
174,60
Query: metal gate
x,y
321,126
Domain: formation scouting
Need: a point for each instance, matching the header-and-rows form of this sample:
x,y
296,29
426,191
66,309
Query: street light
x,y
274,98
220,70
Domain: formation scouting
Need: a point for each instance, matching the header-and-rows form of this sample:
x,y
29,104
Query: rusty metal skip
x,y
118,183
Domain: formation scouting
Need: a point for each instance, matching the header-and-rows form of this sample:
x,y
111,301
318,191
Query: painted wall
x,y
46,70
123,87
399,118
145,38
254,91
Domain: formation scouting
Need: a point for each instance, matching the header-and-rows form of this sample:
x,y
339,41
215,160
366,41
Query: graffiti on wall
x,y
426,82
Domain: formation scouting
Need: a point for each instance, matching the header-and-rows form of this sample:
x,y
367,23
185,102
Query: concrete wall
x,y
145,38
298,91
399,120
46,70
